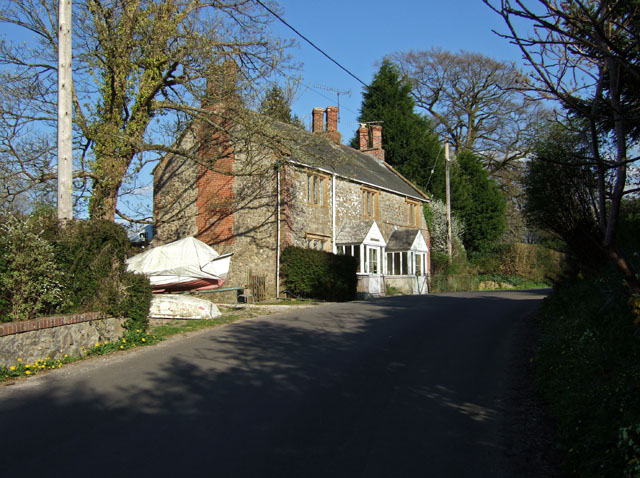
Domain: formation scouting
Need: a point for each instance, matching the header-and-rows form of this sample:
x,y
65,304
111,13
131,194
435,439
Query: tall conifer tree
x,y
412,147
407,138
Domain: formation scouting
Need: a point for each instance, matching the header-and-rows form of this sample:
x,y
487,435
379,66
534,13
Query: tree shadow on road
x,y
316,392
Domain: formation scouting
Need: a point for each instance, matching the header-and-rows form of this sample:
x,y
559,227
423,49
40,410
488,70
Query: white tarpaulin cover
x,y
168,306
181,261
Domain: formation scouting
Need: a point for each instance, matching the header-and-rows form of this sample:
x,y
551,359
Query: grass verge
x,y
587,371
131,339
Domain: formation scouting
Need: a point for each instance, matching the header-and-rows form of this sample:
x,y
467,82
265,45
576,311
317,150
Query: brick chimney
x,y
376,141
222,85
332,124
363,136
317,126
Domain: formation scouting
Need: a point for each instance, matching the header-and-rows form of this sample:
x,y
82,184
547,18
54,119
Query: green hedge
x,y
46,268
319,275
587,372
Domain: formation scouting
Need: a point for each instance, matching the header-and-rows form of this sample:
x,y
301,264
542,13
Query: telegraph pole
x,y
448,200
65,145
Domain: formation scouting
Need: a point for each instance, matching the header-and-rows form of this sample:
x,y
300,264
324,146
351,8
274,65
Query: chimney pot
x,y
376,136
317,126
363,136
332,124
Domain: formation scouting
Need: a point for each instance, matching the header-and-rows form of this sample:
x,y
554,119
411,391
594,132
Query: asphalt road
x,y
394,387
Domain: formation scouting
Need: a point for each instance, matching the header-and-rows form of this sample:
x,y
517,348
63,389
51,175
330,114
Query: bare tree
x,y
586,55
475,101
141,69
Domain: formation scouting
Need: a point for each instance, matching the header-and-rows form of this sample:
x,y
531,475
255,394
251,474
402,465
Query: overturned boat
x,y
184,265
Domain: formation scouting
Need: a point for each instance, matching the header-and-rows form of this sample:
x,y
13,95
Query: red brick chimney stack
x,y
363,136
376,136
332,124
318,120
376,141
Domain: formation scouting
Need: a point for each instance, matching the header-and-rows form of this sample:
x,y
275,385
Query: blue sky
x,y
359,34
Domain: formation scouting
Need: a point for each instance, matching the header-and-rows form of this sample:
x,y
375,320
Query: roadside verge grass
x,y
587,371
131,339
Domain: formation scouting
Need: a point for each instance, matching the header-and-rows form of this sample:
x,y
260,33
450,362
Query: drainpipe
x,y
333,213
278,233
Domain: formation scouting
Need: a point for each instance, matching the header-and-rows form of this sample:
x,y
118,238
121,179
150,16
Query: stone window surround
x,y
413,212
370,203
314,240
317,190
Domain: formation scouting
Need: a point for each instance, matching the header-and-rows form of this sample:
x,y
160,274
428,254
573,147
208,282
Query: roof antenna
x,y
336,91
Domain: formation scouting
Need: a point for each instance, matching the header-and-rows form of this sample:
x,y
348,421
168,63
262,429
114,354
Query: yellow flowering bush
x,y
131,339
22,369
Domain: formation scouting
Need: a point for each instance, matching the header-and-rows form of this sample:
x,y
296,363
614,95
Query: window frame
x,y
370,203
317,190
413,212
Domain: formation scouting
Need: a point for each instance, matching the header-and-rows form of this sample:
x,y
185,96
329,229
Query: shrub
x,y
90,252
46,268
319,275
439,262
129,295
588,373
31,282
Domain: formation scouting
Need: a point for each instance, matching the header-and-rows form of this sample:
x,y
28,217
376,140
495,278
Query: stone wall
x,y
55,337
315,221
254,225
309,220
174,199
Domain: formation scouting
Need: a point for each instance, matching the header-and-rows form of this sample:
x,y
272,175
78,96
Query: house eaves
x,y
352,165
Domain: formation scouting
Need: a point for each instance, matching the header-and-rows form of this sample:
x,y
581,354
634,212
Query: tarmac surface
x,y
408,386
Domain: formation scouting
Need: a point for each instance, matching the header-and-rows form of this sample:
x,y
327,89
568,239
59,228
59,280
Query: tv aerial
x,y
337,91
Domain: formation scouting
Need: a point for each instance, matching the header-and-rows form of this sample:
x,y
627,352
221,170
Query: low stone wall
x,y
55,337
407,284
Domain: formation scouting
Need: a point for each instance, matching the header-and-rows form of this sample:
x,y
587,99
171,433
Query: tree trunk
x,y
104,197
102,204
625,268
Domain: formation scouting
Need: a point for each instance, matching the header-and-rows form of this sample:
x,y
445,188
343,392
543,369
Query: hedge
x,y
319,275
47,268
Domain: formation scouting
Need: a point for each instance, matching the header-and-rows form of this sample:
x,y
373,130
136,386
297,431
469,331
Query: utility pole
x,y
65,125
448,200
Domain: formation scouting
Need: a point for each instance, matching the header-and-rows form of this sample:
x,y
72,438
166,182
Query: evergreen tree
x,y
482,208
276,105
408,139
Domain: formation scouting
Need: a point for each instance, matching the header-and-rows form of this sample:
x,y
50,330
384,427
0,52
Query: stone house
x,y
303,189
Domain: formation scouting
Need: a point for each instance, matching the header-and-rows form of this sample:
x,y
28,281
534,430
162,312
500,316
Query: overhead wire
x,y
308,41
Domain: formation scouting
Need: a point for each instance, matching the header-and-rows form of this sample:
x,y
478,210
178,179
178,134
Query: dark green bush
x,y
129,295
588,373
89,252
530,261
31,281
439,262
319,275
47,268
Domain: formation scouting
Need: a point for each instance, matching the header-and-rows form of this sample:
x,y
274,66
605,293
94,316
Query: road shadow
x,y
398,386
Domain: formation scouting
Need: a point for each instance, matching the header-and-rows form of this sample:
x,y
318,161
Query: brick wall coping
x,y
48,322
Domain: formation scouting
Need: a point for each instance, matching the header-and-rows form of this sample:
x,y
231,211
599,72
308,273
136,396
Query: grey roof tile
x,y
401,239
353,232
315,150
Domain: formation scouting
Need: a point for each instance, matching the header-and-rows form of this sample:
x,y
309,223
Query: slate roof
x,y
316,151
401,239
353,232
